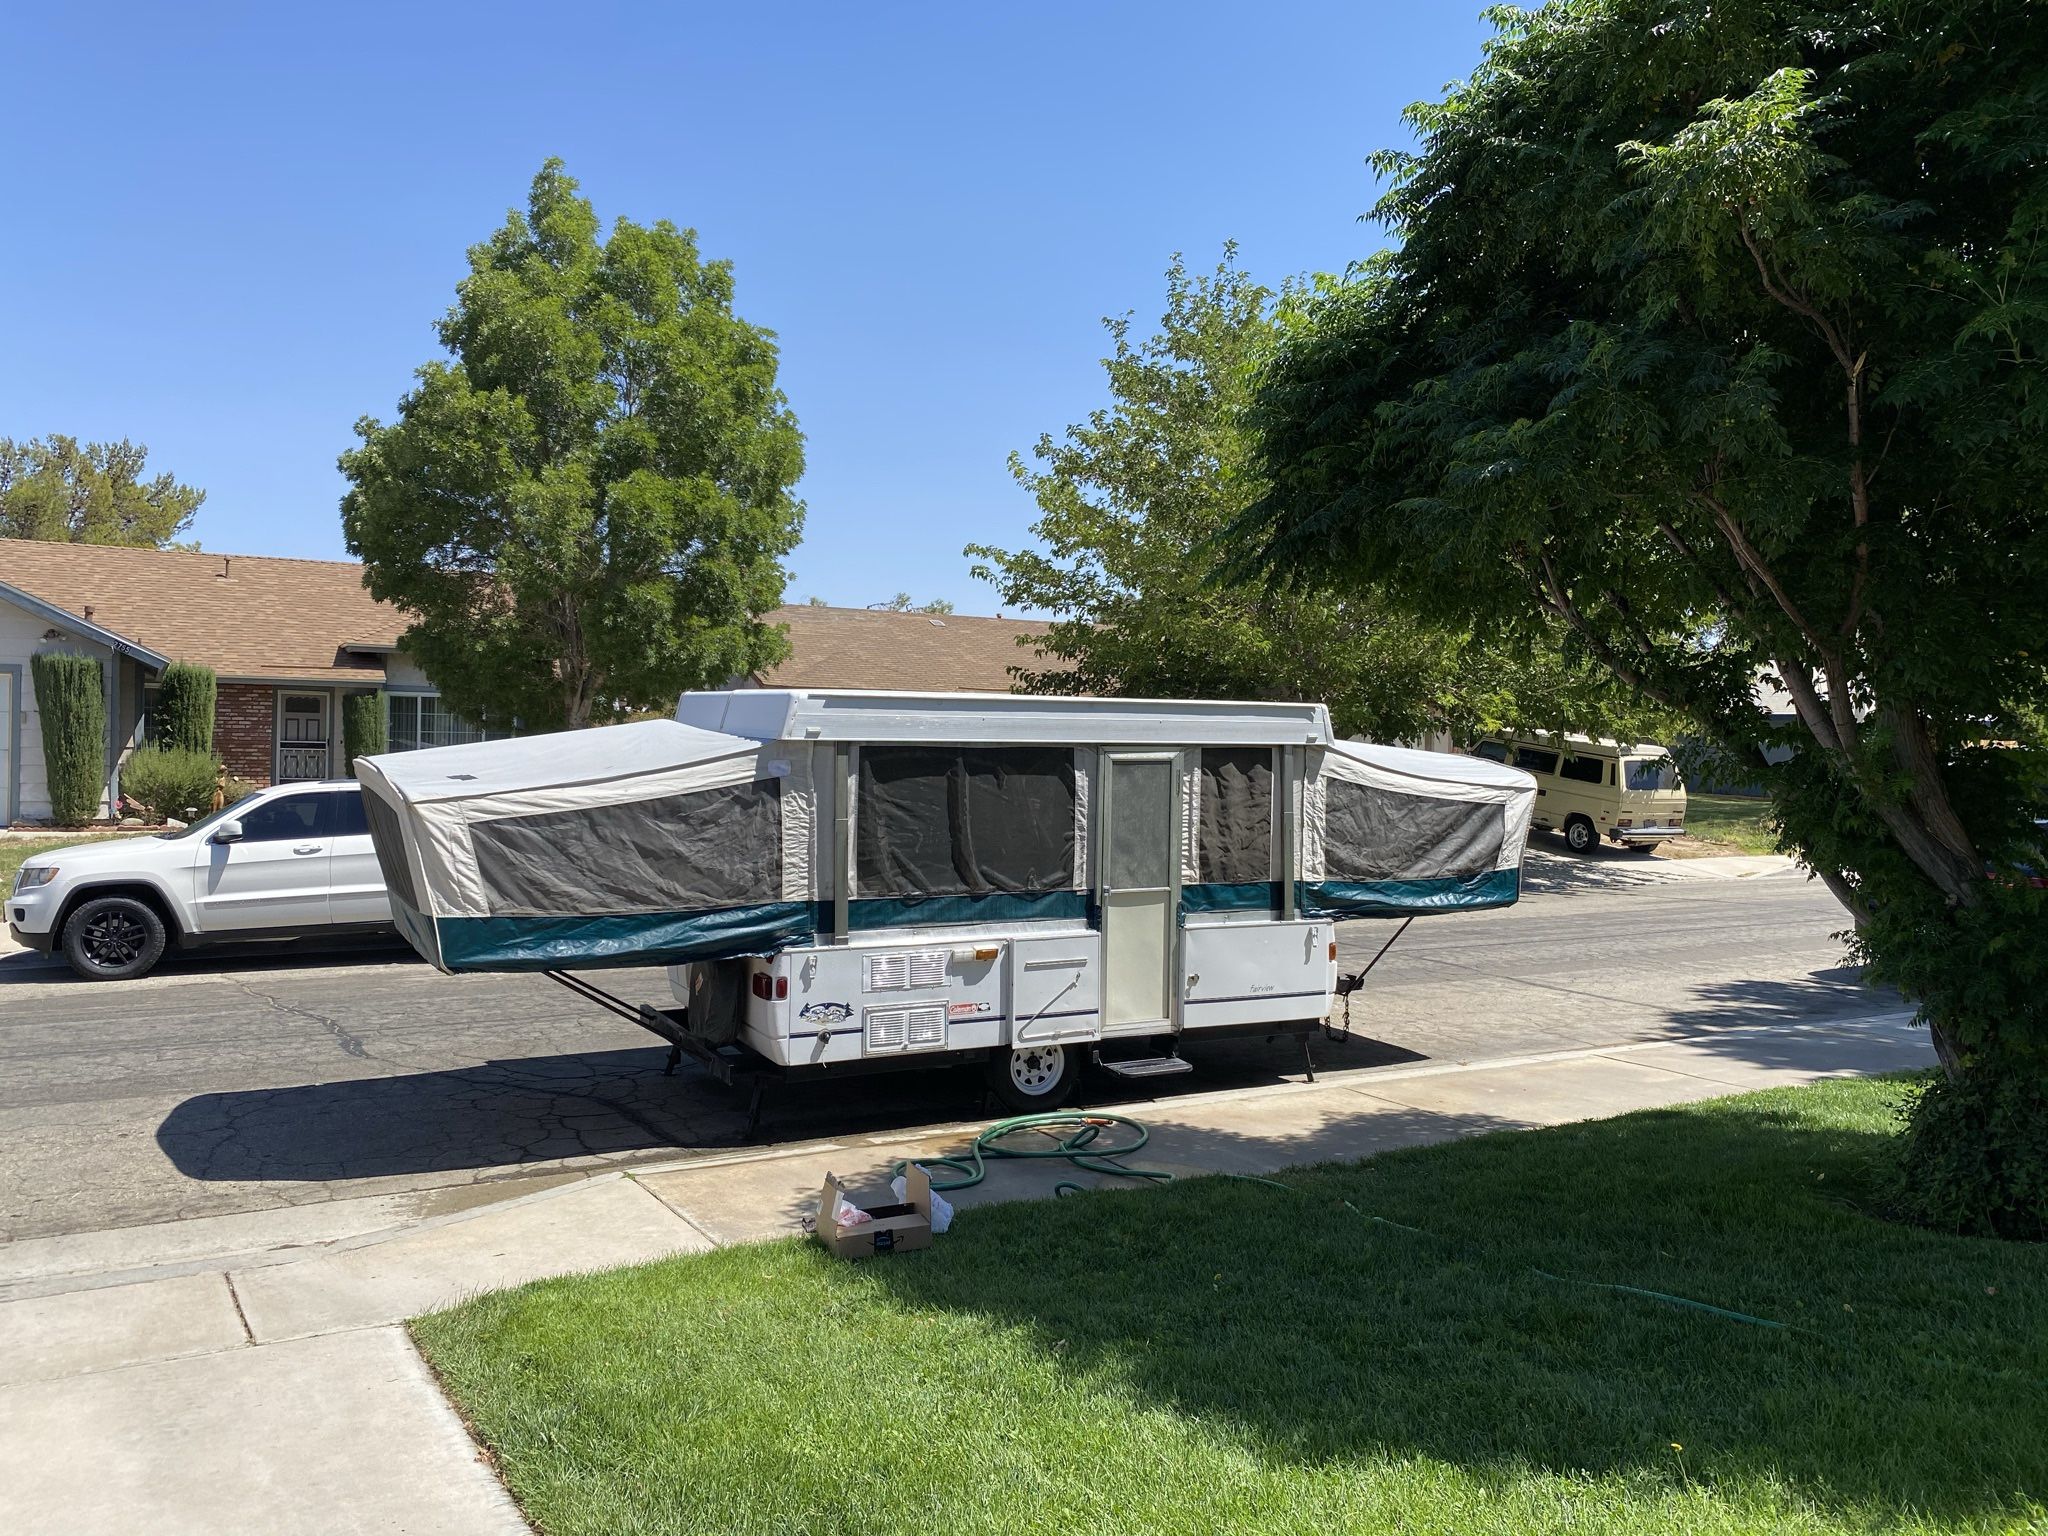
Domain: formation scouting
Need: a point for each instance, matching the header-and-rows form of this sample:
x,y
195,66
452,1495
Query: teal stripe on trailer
x,y
1250,896
989,907
633,938
1399,898
414,928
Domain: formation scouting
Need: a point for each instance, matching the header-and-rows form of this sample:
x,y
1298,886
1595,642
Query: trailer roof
x,y
556,760
844,714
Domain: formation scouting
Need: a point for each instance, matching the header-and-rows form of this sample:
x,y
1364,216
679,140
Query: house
x,y
290,639
880,648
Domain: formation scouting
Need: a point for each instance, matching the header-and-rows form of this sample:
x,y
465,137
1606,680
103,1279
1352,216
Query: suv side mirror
x,y
229,831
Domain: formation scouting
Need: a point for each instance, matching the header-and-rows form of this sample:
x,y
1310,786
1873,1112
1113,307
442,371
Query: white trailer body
x,y
884,879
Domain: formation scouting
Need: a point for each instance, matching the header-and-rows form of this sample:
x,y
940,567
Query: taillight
x,y
781,988
769,988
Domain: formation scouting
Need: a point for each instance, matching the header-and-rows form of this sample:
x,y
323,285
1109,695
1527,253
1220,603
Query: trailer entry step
x,y
1147,1066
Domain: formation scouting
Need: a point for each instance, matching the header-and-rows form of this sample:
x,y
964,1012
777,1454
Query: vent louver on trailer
x,y
907,972
919,1027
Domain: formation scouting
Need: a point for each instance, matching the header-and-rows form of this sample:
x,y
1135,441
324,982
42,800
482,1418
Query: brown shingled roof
x,y
279,620
267,619
876,648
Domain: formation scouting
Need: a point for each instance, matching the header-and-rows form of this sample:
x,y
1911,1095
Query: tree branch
x,y
1555,598
1747,556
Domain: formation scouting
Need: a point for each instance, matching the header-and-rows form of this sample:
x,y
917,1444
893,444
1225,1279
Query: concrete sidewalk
x,y
278,1395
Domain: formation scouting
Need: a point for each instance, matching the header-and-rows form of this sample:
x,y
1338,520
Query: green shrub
x,y
363,731
1974,1159
171,781
184,708
71,702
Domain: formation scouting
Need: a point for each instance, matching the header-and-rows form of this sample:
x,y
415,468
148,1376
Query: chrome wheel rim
x,y
113,939
1035,1069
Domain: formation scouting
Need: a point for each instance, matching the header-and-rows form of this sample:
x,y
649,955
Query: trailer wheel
x,y
1034,1077
1579,835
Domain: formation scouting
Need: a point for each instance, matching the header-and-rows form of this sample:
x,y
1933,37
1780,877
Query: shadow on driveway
x,y
617,1103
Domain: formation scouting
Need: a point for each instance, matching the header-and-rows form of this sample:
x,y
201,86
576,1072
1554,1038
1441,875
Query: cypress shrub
x,y
72,703
363,731
184,702
171,781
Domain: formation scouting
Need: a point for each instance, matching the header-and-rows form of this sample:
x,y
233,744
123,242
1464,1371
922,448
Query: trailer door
x,y
1140,890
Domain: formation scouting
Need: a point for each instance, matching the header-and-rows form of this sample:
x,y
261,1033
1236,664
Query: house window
x,y
417,720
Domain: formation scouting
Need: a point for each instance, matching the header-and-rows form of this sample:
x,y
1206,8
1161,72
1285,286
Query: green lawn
x,y
1217,1355
1741,821
16,851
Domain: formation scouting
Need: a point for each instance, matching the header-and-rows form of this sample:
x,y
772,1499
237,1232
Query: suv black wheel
x,y
1579,835
113,938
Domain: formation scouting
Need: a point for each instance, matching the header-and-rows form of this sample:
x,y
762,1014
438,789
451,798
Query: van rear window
x,y
1649,773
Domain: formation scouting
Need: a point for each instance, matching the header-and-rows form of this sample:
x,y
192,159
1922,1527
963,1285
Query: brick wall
x,y
245,729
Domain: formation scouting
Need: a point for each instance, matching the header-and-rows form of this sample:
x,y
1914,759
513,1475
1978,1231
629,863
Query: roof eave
x,y
121,645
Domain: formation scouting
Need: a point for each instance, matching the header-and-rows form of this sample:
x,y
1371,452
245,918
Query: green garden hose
x,y
1072,1135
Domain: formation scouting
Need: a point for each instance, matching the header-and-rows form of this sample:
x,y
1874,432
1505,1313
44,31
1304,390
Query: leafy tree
x,y
1716,334
185,699
585,511
903,602
57,488
365,730
1130,504
71,709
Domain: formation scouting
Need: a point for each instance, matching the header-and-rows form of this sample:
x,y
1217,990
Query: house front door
x,y
302,741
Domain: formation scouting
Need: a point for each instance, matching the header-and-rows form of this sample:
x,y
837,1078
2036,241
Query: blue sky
x,y
231,228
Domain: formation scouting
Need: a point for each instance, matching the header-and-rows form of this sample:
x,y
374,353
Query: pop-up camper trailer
x,y
847,880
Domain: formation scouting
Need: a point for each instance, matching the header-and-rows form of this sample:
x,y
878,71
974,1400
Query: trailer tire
x,y
1579,835
1034,1077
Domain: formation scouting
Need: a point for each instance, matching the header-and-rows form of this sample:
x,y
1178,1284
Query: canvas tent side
x,y
1388,831
631,845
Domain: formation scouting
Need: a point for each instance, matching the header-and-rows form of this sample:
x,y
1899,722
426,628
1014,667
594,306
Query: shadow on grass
x,y
1911,1380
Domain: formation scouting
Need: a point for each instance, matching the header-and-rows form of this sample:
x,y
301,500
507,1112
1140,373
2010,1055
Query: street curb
x,y
1354,1079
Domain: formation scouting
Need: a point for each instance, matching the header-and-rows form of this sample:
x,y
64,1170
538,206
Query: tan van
x,y
1590,789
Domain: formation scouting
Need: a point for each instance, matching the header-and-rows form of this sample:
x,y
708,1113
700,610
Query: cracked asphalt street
x,y
231,1083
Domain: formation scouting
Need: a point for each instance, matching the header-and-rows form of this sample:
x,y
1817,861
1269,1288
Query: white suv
x,y
286,862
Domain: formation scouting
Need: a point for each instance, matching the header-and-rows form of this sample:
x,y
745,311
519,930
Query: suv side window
x,y
286,817
345,815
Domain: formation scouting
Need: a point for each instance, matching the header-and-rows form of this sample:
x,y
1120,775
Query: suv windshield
x,y
194,828
1650,773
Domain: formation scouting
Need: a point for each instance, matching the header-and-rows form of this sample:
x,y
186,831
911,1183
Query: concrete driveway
x,y
321,1096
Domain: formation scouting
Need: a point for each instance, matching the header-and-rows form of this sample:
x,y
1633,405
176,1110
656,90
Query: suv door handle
x,y
308,848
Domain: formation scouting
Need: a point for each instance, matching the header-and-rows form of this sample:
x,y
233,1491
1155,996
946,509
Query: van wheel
x,y
1034,1077
1579,835
113,938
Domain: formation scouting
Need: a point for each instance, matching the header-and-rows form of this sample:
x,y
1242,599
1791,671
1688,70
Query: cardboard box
x,y
892,1229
